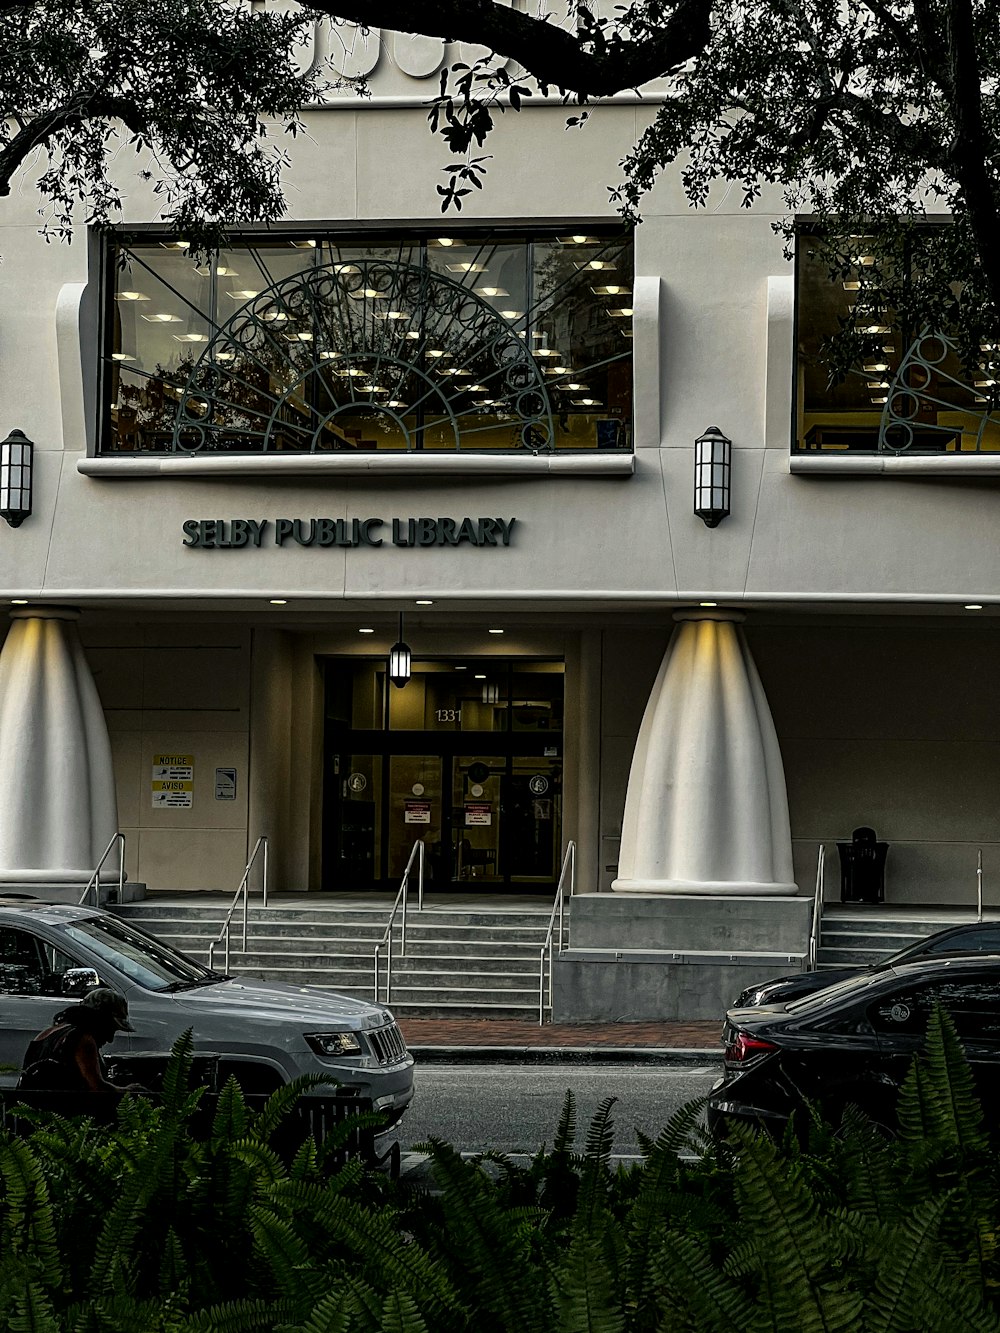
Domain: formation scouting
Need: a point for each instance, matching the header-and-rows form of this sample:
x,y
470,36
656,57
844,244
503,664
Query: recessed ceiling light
x,y
279,601
19,601
495,631
365,630
162,318
131,296
973,606
480,675
424,601
708,603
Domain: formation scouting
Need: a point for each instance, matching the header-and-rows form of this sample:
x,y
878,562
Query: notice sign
x,y
225,784
478,814
417,812
173,781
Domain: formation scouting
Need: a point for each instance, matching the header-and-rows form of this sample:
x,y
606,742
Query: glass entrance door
x,y
467,762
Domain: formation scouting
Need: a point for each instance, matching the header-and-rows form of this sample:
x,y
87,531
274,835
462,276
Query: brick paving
x,y
466,1032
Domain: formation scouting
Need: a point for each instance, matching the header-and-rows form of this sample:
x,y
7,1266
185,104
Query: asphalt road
x,y
515,1108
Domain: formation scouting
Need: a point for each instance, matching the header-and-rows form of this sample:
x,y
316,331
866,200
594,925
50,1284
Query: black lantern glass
x,y
712,463
16,463
399,659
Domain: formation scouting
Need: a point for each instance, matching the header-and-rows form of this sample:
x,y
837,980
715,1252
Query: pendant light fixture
x,y
399,659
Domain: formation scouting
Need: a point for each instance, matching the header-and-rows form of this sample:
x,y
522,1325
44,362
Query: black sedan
x,y
853,1044
977,937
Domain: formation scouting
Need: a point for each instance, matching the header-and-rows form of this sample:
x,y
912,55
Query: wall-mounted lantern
x,y
399,659
712,464
16,465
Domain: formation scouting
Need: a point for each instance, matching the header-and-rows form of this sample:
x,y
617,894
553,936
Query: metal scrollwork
x,y
929,408
338,355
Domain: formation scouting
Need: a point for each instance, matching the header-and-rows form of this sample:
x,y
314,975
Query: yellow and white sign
x,y
173,781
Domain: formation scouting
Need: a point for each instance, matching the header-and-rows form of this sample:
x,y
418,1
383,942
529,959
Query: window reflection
x,y
328,344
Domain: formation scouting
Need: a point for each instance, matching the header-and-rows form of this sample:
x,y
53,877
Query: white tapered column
x,y
58,810
706,809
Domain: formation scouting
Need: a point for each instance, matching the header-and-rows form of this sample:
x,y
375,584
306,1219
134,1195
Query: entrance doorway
x,y
481,787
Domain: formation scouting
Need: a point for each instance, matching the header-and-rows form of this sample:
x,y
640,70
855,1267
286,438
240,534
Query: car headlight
x,y
333,1043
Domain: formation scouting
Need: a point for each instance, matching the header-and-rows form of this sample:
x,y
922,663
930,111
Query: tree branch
x,y
42,128
550,54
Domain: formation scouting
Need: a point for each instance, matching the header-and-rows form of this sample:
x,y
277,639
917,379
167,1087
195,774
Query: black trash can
x,y
862,867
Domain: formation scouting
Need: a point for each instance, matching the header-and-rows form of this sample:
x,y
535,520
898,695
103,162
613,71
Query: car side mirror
x,y
79,980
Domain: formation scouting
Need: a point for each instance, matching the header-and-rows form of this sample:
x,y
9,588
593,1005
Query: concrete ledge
x,y
877,465
619,463
725,925
628,990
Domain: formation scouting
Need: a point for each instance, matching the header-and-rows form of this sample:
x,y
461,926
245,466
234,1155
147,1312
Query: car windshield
x,y
849,988
145,960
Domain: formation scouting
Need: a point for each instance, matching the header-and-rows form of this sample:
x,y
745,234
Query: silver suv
x,y
264,1032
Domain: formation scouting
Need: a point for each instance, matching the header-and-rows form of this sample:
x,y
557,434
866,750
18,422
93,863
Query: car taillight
x,y
743,1047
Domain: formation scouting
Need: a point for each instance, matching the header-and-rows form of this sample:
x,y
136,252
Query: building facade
x,y
477,435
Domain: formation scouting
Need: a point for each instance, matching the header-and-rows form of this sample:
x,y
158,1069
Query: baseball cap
x,y
106,1001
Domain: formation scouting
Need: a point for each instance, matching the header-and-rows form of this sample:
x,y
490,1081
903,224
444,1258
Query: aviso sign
x,y
233,533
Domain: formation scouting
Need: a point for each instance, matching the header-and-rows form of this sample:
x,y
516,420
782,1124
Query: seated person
x,y
67,1055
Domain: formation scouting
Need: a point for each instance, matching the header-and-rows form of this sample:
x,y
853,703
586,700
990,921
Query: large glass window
x,y
474,341
906,390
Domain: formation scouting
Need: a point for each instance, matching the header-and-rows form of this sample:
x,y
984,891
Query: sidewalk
x,y
498,1040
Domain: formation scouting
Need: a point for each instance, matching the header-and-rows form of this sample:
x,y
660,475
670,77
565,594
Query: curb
x,y
548,1055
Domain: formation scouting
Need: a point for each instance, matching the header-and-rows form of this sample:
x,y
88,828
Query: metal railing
x,y
979,886
223,936
417,854
557,914
817,913
94,883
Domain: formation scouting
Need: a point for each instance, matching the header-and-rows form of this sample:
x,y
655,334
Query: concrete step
x,y
485,919
457,961
344,934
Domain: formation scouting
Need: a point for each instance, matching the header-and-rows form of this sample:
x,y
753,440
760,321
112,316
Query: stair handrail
x,y
416,851
568,869
95,880
817,912
242,891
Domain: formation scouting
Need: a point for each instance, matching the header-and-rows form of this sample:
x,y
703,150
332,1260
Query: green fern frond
x,y
33,1311
177,1075
232,1119
914,1244
28,1221
583,1292
281,1101
692,1291
565,1139
291,1271
492,1244
779,1212
938,1100
238,1317
174,1271
400,1315
261,1161
118,1232
944,1302
649,1215
334,1313
595,1169
370,1235
601,1134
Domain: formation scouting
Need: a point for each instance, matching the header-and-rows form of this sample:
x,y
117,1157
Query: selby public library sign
x,y
232,533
